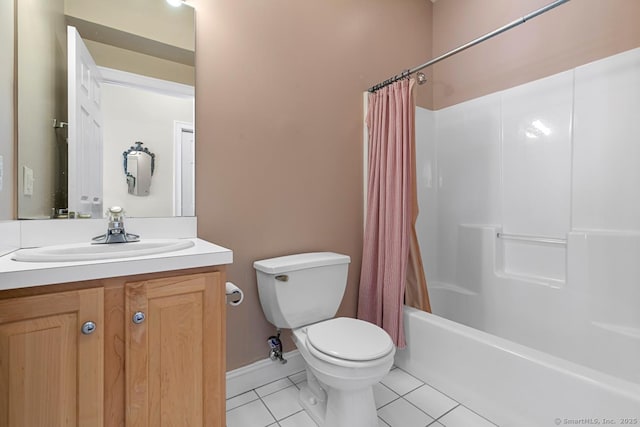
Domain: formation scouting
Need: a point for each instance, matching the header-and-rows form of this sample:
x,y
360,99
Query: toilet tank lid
x,y
300,261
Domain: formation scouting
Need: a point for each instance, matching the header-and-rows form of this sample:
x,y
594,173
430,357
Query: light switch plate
x,y
27,181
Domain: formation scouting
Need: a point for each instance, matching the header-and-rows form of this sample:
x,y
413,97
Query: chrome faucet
x,y
115,229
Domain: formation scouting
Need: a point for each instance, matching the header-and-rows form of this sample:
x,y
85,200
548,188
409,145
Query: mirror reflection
x,y
93,78
139,165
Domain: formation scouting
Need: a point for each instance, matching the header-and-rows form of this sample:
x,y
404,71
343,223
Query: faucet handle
x,y
115,231
115,213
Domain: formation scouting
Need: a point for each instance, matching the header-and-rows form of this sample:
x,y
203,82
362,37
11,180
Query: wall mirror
x,y
138,164
93,77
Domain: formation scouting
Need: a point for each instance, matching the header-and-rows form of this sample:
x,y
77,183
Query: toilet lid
x,y
349,339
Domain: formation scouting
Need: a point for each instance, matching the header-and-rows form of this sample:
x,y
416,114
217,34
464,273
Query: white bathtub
x,y
511,384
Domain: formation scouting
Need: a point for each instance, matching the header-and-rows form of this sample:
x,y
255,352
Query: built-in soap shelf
x,y
535,259
544,240
541,259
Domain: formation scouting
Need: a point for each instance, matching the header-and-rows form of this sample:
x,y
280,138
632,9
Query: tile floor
x,y
402,401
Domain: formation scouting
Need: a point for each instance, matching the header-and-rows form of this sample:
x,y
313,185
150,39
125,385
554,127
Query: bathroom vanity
x,y
146,348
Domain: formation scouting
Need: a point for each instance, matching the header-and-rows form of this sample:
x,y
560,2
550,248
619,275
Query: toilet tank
x,y
298,290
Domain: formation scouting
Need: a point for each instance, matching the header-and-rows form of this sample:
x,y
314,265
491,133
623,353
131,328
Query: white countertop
x,y
17,274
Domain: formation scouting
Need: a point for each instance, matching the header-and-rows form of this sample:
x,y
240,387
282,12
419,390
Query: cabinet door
x,y
50,372
175,357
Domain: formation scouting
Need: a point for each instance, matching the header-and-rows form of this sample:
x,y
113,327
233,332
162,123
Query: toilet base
x,y
340,408
351,408
314,407
313,398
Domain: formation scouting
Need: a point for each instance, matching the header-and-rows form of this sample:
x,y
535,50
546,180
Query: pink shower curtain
x,y
390,240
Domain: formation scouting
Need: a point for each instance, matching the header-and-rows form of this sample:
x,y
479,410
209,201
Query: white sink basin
x,y
88,251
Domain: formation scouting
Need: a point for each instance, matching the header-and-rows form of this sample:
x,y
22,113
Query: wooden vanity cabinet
x,y
172,364
165,368
51,373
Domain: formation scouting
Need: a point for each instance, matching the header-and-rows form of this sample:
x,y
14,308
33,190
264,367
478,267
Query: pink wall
x,y
279,114
572,34
279,131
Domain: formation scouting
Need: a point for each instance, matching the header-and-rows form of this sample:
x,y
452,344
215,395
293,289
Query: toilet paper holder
x,y
235,296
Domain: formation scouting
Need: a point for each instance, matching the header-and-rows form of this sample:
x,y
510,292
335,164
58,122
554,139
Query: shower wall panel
x,y
558,157
468,175
542,159
606,170
536,174
426,180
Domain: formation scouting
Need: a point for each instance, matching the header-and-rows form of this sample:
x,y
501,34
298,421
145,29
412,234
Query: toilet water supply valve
x,y
275,348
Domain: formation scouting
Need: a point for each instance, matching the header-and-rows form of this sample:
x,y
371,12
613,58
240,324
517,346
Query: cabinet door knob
x,y
138,317
88,327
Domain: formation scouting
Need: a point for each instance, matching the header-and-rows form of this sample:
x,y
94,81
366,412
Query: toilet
x,y
344,357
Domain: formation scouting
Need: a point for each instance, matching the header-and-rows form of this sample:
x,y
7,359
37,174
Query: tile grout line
x,y
425,412
280,389
240,394
411,391
441,392
484,418
263,385
444,394
295,413
422,383
391,401
269,410
262,401
403,396
438,419
244,404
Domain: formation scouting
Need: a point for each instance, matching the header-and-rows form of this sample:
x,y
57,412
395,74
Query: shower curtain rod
x,y
522,20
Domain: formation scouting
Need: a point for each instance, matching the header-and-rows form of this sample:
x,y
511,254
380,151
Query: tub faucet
x,y
115,229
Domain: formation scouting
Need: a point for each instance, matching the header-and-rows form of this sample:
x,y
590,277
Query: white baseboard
x,y
262,372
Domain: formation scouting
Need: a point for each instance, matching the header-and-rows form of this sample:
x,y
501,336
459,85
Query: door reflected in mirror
x,y
75,120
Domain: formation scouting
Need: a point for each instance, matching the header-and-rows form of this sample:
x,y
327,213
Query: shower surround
x,y
554,164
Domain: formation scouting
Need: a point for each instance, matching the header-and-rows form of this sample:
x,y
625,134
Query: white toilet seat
x,y
348,342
